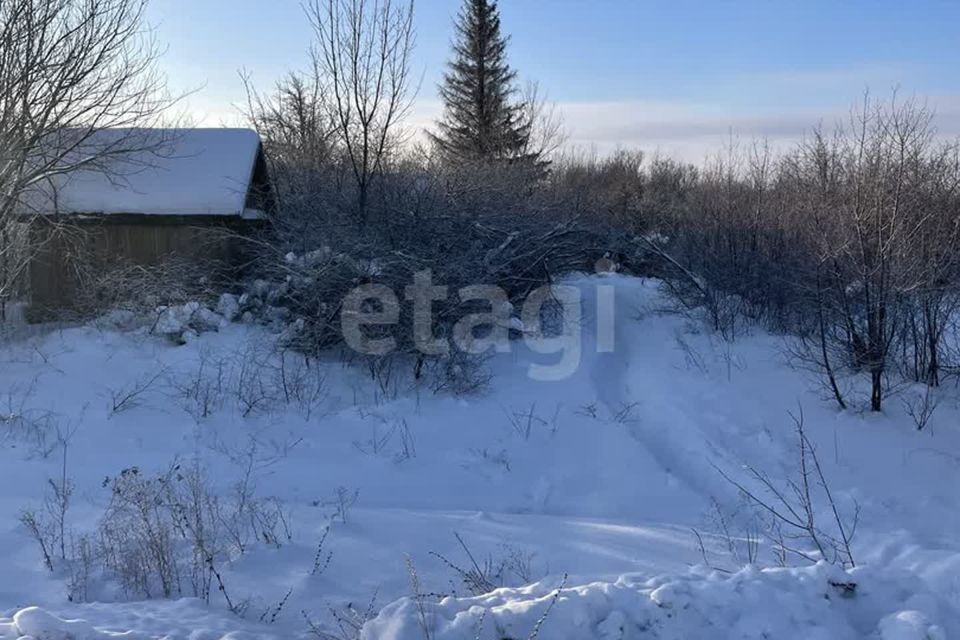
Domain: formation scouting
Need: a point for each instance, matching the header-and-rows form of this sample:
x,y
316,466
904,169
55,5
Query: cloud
x,y
692,131
779,106
686,130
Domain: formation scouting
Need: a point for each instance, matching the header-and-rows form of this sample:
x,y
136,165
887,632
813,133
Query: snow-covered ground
x,y
596,483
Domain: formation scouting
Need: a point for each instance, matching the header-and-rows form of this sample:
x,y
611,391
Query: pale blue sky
x,y
673,75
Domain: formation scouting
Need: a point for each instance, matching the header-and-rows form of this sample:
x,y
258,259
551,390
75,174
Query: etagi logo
x,y
371,313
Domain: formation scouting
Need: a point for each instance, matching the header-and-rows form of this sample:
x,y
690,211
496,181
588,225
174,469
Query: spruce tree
x,y
480,121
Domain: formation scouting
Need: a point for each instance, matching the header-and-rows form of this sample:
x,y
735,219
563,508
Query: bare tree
x,y
69,69
546,132
871,229
299,132
363,49
295,120
792,510
937,246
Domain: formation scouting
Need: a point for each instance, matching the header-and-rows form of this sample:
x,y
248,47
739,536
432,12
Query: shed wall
x,y
68,255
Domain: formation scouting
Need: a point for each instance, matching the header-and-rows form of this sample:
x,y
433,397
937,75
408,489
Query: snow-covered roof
x,y
179,172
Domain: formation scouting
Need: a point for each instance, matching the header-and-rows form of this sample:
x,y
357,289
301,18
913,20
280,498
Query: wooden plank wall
x,y
64,253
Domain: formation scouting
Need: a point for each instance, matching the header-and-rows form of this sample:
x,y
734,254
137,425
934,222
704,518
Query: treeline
x,y
848,241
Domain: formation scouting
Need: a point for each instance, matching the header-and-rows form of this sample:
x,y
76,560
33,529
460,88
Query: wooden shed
x,y
195,200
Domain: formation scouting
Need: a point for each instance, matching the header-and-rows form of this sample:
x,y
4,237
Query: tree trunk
x,y
876,391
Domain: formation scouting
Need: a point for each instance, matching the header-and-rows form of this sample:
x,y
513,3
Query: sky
x,y
678,77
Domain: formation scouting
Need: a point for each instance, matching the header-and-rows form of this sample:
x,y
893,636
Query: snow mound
x,y
34,623
909,625
821,602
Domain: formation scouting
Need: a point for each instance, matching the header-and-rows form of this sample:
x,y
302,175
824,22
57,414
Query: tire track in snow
x,y
649,400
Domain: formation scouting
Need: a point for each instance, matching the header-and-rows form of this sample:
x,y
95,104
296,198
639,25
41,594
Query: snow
x,y
180,172
173,321
750,604
618,466
185,619
228,306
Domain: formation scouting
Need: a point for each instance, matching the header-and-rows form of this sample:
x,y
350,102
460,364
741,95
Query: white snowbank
x,y
34,623
186,619
814,603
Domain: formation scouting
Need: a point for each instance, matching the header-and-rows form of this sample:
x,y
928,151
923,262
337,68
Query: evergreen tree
x,y
480,121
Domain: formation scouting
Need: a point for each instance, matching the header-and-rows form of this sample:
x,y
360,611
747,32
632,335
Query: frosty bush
x,y
254,378
463,228
512,566
139,289
23,423
160,536
798,516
